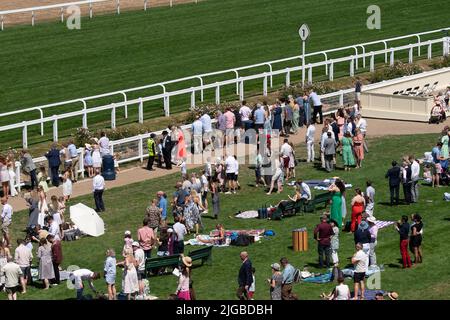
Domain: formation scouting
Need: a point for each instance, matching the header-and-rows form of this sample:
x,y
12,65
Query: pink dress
x,y
358,146
181,145
341,122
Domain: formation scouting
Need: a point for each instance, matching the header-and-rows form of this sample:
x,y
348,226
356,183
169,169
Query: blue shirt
x,y
197,128
288,274
315,99
110,270
163,205
436,153
72,150
260,116
206,122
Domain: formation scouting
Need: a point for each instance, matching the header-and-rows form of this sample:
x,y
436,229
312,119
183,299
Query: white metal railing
x,y
239,81
62,6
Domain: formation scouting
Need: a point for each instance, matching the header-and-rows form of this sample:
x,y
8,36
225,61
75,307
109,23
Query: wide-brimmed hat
x,y
275,266
170,230
87,146
135,244
371,219
187,261
393,295
127,233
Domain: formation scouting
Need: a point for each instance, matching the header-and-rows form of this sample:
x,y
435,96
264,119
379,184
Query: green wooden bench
x,y
161,262
322,198
290,209
204,254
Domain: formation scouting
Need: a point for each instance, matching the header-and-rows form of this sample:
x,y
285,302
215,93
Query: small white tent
x,y
87,220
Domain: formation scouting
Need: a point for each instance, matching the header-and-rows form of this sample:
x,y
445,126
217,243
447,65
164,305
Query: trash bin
x,y
108,170
300,239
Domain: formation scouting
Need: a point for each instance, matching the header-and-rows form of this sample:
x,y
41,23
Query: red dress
x,y
357,210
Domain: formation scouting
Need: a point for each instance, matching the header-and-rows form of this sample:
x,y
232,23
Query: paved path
x,y
376,128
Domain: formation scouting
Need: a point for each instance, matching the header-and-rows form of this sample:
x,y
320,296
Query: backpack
x,y
242,241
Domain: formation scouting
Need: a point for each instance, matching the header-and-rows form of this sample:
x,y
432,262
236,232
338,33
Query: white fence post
x,y
90,10
392,57
24,135
167,105
81,162
1,18
141,149
171,4
352,67
241,90
341,98
141,111
113,116
446,46
192,98
288,77
62,14
309,73
265,86
331,72
430,51
32,18
118,6
372,62
55,128
18,182
217,94
145,5
410,58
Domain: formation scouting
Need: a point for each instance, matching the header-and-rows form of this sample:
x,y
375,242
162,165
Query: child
x,y
258,166
67,185
88,163
183,169
251,290
427,178
334,243
42,179
116,162
12,179
110,273
127,243
159,153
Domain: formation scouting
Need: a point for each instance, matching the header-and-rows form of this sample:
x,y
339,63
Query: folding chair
x,y
407,91
396,92
433,87
414,91
423,90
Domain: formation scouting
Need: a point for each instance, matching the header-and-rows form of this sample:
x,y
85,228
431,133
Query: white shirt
x,y
104,145
315,99
370,192
415,171
139,255
204,183
230,165
183,167
286,150
361,265
80,275
306,190
245,113
208,169
236,167
54,230
180,231
362,125
98,183
7,212
206,122
342,292
310,133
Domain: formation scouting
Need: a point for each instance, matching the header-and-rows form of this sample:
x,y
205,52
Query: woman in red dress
x,y
182,153
358,204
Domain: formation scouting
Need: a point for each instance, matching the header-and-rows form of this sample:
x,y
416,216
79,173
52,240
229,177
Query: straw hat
x,y
88,146
393,295
187,261
275,266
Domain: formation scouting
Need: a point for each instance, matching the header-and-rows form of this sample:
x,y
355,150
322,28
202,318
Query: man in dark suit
x,y
54,161
245,278
167,149
394,175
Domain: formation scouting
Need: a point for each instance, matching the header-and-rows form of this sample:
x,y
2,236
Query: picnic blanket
x,y
383,224
247,214
348,272
320,187
228,233
368,294
196,242
321,278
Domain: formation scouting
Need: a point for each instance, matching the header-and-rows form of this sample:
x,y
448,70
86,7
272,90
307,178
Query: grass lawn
x,y
125,210
49,63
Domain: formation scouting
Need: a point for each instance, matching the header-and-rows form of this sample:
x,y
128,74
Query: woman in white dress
x,y
67,186
4,176
96,158
12,179
42,178
43,207
130,278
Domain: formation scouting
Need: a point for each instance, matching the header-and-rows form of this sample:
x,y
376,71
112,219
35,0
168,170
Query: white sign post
x,y
304,33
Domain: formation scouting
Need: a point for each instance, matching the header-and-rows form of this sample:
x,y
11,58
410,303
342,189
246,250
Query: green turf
x,y
49,63
429,280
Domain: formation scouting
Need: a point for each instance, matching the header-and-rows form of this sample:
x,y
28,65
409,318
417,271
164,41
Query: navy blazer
x,y
53,158
245,274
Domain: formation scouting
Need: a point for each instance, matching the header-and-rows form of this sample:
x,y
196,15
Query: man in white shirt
x,y
207,132
13,276
310,132
78,276
6,217
286,152
180,231
305,189
322,143
317,106
103,143
23,256
230,170
139,255
415,176
197,132
370,198
361,124
245,113
359,260
53,228
204,190
98,184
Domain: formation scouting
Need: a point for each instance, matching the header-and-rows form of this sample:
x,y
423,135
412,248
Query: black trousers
x,y
178,247
150,161
324,250
407,192
395,192
54,171
98,197
168,159
34,182
317,110
56,269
